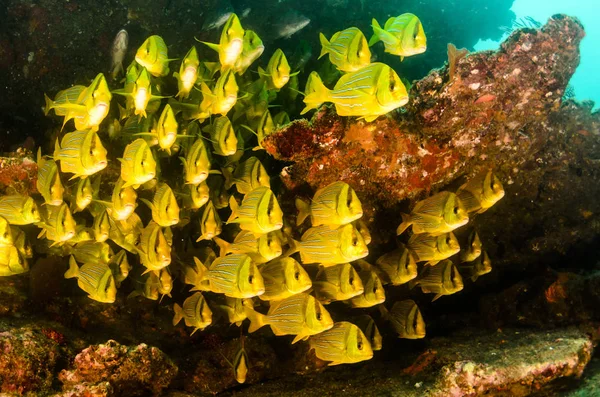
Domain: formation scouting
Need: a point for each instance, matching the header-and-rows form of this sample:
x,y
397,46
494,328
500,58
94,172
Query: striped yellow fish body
x,y
283,278
120,266
406,318
80,153
101,226
195,312
137,165
368,93
12,262
397,267
312,83
436,215
48,181
152,55
235,276
335,204
402,35
210,223
6,236
278,71
58,225
473,248
91,252
123,201
234,309
259,212
329,247
82,233
196,196
344,343
347,49
66,103
265,127
336,283
146,285
223,137
478,267
165,210
481,192
131,229
230,44
197,163
252,49
261,249
218,193
369,328
96,99
21,242
442,279
188,73
373,293
154,251
84,194
94,278
225,93
301,315
249,175
131,75
281,118
362,228
433,249
19,210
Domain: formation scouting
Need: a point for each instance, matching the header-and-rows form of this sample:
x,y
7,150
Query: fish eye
x,y
354,241
351,280
375,289
250,279
456,210
359,345
319,316
297,275
448,239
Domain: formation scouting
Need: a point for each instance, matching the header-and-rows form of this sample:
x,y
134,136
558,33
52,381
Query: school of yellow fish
x,y
263,273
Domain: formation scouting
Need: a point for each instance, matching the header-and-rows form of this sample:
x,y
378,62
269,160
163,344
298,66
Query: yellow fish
x,y
347,49
6,237
48,180
19,210
233,275
368,93
369,328
152,55
481,192
231,43
137,165
91,252
436,215
223,97
210,223
21,242
240,363
344,343
402,35
195,196
278,71
218,193
139,94
154,251
473,250
283,278
248,175
336,283
101,226
281,119
58,225
442,279
373,293
362,228
80,153
164,133
223,136
188,73
265,127
259,212
252,49
261,249
432,249
480,266
301,315
120,266
334,205
84,194
406,318
397,267
94,278
165,210
232,308
123,201
195,312
197,163
12,262
330,247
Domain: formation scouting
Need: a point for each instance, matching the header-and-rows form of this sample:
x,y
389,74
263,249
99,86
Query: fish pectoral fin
x,y
436,297
299,337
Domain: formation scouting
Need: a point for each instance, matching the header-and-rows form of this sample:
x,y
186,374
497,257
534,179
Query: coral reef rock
x,y
131,370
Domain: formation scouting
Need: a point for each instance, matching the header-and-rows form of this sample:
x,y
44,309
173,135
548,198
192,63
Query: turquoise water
x,y
585,81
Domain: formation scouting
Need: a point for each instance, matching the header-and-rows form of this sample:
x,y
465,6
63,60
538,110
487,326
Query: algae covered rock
x,y
131,370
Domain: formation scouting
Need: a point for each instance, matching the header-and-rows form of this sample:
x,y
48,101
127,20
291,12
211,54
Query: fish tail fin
x,y
56,149
234,208
212,46
49,104
123,113
223,245
404,225
303,207
474,277
294,247
39,155
324,45
383,311
438,296
375,38
148,203
202,270
317,97
412,283
178,314
227,174
73,269
257,320
262,73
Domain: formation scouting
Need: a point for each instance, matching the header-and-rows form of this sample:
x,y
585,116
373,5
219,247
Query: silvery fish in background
x,y
119,49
